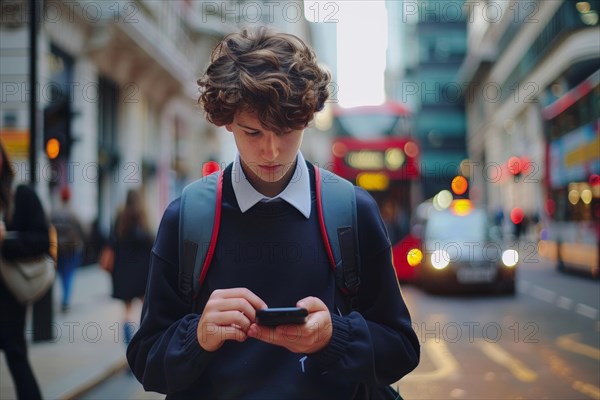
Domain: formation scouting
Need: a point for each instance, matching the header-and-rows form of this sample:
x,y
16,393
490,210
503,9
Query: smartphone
x,y
281,316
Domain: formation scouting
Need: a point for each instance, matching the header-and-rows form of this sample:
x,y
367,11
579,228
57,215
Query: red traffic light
x,y
517,215
210,167
515,165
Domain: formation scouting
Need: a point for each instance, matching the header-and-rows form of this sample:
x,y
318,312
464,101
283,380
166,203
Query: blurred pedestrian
x,y
95,243
71,243
395,219
22,216
265,88
131,244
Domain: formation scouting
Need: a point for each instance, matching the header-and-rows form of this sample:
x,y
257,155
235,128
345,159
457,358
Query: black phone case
x,y
281,316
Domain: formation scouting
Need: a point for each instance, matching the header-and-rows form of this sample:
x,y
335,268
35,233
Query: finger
x,y
233,304
292,337
211,336
244,293
227,318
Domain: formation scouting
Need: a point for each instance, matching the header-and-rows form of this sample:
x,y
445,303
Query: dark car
x,y
463,250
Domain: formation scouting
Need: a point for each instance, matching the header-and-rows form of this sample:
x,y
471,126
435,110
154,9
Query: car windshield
x,y
445,226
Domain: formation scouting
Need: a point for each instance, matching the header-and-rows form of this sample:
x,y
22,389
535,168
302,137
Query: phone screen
x,y
281,316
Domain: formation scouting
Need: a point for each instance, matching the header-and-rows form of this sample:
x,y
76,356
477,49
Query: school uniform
x,y
273,247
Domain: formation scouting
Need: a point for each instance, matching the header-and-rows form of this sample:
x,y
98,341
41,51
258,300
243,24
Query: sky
x,y
362,36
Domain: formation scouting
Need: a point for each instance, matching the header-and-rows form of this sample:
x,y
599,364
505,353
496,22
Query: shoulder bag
x,y
28,279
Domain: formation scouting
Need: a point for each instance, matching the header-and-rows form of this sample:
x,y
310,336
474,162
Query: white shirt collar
x,y
296,193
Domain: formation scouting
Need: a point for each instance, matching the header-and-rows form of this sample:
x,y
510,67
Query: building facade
x,y
117,95
523,56
431,41
534,138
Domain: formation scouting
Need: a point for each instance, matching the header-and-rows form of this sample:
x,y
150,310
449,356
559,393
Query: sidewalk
x,y
88,346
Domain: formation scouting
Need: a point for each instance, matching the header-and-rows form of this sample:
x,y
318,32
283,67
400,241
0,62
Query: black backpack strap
x,y
350,273
336,202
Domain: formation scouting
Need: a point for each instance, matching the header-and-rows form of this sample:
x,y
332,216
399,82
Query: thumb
x,y
311,303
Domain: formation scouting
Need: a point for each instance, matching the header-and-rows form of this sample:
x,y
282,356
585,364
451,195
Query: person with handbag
x,y
23,217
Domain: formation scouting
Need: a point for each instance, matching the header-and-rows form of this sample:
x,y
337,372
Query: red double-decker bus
x,y
373,148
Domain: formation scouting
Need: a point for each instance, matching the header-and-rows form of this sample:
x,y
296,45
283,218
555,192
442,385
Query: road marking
x,y
571,343
543,294
515,366
586,311
445,363
561,368
564,302
587,389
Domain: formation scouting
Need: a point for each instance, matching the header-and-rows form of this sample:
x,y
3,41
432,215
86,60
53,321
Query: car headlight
x,y
440,259
510,257
414,257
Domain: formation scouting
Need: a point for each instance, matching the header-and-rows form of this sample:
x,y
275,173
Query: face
x,y
268,158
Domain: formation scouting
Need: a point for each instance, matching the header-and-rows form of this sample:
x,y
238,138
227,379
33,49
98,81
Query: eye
x,y
252,133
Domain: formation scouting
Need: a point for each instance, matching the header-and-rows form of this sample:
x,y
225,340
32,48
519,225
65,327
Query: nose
x,y
270,147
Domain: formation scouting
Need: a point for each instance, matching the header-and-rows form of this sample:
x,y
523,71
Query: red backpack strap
x,y
322,225
215,231
199,222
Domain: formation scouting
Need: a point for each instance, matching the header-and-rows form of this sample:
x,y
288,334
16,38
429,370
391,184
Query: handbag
x,y
28,279
107,259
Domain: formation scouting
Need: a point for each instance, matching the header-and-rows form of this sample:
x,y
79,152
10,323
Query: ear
x,y
228,127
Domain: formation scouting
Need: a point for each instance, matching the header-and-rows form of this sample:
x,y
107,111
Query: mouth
x,y
270,172
270,167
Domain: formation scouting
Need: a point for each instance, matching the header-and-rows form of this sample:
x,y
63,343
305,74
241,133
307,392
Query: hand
x,y
308,338
228,315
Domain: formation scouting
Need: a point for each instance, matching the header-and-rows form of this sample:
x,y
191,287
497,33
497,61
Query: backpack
x,y
200,217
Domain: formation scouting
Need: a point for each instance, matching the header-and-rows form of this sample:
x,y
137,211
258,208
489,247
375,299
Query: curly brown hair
x,y
272,74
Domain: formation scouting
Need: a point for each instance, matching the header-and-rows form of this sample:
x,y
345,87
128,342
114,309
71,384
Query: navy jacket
x,y
278,254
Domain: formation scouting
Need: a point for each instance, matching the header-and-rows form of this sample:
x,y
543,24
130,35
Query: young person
x,y
265,88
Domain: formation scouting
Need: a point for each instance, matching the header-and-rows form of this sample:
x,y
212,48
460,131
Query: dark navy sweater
x,y
278,254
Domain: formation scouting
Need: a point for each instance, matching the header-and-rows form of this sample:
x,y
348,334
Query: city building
x,y
116,95
533,73
428,43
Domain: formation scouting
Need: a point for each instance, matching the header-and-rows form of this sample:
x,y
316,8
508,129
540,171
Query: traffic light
x,y
459,185
209,167
57,130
